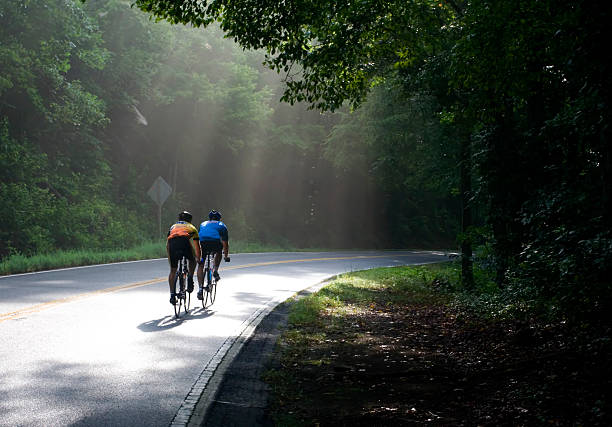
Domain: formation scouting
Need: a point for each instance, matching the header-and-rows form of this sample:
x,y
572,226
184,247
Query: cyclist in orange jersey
x,y
180,243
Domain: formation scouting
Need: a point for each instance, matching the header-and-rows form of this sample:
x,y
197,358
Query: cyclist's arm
x,y
224,240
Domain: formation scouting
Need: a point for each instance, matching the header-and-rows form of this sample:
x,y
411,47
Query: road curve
x,y
99,345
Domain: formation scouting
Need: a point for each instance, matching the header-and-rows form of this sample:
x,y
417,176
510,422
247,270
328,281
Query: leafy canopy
x,y
330,51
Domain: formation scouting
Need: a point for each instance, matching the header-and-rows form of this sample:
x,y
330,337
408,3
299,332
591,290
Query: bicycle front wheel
x,y
177,309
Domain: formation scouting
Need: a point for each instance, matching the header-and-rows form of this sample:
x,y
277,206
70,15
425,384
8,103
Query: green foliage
x,y
401,145
330,51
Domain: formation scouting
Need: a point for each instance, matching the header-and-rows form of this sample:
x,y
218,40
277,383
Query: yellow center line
x,y
39,307
43,306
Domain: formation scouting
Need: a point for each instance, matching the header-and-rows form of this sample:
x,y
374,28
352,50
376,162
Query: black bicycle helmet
x,y
214,215
185,216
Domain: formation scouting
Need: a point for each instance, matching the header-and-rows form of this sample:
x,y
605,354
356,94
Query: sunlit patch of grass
x,y
306,311
353,295
393,285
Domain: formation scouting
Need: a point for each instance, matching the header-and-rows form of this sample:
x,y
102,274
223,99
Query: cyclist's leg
x,y
173,257
191,265
215,248
201,270
217,260
171,280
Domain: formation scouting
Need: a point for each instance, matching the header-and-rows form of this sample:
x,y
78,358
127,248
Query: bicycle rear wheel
x,y
212,293
183,301
207,288
186,295
179,287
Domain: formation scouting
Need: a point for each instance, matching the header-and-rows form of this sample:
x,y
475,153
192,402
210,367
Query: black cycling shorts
x,y
210,247
179,247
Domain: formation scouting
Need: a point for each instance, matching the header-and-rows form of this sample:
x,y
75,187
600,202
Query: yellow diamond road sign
x,y
159,191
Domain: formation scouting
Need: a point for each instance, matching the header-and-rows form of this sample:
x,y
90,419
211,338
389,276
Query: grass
x,y
314,317
407,345
71,258
350,292
18,263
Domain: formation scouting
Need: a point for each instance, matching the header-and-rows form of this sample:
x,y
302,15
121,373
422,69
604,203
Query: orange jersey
x,y
183,229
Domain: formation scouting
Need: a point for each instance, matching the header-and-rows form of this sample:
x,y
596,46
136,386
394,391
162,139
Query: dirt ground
x,y
427,364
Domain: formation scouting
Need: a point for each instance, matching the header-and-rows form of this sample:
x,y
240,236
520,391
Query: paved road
x,y
100,346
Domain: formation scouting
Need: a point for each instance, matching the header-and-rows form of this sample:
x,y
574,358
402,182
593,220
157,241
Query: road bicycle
x,y
183,298
209,293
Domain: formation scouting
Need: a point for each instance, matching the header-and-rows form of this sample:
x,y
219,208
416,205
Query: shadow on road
x,y
169,322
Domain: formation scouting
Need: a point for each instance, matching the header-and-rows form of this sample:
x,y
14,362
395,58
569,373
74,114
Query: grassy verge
x,y
405,346
72,258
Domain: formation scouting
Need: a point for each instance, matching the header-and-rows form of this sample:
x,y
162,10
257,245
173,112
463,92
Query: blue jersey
x,y
213,230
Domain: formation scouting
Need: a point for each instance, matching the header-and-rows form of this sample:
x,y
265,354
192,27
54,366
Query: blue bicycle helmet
x,y
214,215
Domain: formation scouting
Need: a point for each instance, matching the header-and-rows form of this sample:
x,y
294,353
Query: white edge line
x,y
78,267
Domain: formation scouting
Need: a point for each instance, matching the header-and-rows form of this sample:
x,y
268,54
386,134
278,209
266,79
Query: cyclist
x,y
213,239
179,243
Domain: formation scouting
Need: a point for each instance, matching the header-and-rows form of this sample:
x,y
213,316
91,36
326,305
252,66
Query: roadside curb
x,y
200,398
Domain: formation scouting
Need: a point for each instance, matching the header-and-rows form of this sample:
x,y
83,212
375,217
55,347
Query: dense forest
x,y
481,124
97,100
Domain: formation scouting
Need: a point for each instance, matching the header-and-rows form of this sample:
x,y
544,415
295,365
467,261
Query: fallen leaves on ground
x,y
427,364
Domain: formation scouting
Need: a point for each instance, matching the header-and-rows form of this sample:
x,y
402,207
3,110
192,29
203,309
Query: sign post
x,y
159,192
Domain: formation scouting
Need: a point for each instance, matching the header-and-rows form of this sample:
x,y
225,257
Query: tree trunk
x,y
467,271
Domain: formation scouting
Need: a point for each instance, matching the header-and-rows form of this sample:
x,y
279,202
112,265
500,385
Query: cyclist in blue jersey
x,y
213,239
